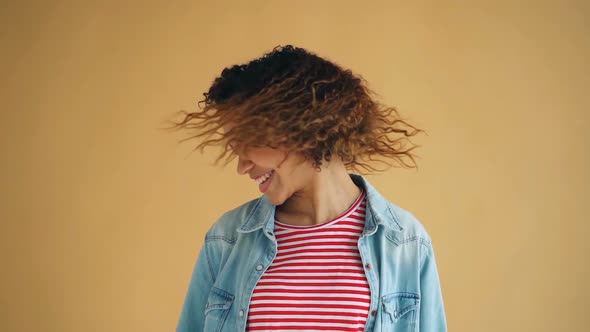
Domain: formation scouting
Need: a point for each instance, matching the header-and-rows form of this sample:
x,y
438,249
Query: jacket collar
x,y
378,211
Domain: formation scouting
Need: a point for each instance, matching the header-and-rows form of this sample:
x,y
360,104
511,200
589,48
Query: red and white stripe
x,y
317,281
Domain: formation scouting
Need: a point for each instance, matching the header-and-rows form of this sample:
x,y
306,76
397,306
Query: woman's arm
x,y
192,318
432,312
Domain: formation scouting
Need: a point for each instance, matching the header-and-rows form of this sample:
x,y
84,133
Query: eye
x,y
233,147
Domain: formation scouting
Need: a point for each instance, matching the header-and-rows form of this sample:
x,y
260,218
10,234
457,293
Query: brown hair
x,y
293,99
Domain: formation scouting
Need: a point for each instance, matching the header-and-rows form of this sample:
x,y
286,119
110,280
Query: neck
x,y
328,194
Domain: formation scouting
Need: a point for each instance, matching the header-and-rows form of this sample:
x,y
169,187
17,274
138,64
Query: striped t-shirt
x,y
317,281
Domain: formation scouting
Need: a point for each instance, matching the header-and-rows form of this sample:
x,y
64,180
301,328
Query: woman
x,y
320,249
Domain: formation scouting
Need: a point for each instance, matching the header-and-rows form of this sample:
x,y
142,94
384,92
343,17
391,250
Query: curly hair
x,y
291,98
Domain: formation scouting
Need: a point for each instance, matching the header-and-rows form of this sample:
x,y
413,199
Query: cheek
x,y
266,160
285,185
280,184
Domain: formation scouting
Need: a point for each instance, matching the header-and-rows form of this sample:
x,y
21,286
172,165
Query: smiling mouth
x,y
262,179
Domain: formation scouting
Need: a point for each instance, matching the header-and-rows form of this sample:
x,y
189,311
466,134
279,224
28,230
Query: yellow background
x,y
102,213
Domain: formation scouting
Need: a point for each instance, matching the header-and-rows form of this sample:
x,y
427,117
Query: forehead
x,y
233,144
238,146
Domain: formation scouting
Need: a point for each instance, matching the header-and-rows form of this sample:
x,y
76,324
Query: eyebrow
x,y
232,146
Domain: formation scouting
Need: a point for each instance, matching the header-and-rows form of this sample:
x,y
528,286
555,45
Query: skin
x,y
301,194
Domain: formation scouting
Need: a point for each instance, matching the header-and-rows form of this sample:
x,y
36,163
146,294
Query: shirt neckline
x,y
343,215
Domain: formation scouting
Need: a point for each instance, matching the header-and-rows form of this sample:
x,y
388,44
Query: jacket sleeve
x,y
192,317
432,312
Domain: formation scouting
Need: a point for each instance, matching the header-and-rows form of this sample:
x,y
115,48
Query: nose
x,y
244,165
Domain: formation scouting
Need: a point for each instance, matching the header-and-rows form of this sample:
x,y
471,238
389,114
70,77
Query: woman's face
x,y
275,172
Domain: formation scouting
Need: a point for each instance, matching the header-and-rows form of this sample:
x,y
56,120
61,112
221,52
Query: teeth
x,y
263,178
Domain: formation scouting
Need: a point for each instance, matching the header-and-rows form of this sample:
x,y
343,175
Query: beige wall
x,y
102,214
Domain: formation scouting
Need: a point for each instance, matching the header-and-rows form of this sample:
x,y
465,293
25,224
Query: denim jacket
x,y
395,249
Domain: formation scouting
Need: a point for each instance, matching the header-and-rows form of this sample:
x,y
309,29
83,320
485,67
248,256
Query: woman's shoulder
x,y
231,220
406,224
